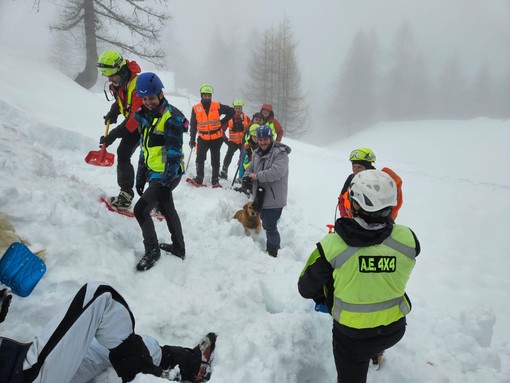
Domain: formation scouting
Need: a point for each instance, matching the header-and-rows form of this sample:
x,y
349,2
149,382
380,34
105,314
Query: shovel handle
x,y
107,127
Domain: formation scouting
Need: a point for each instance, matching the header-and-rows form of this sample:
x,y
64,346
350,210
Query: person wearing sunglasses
x,y
121,75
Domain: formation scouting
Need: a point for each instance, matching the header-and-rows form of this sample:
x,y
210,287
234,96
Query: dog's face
x,y
248,209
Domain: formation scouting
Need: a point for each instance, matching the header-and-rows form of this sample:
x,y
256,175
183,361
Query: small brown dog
x,y
249,218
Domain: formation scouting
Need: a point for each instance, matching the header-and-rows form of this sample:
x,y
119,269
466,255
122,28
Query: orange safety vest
x,y
400,200
237,137
208,125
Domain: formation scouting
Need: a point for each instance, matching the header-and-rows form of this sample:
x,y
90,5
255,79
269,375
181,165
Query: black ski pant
x,y
161,197
125,172
353,355
202,147
232,148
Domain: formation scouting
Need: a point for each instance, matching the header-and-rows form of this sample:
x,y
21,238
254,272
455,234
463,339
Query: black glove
x,y
247,183
141,176
139,189
192,144
118,132
258,201
132,357
5,301
112,114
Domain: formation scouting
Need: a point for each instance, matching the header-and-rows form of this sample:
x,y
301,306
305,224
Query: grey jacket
x,y
272,170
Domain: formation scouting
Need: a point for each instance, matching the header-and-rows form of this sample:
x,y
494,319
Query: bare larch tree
x,y
274,78
103,23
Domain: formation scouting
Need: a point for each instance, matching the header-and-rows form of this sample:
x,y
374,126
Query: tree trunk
x,y
88,77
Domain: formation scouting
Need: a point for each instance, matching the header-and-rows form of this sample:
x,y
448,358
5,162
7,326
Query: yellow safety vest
x,y
369,282
154,153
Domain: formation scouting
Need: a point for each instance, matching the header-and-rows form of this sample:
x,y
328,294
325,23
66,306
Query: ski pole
x,y
189,159
238,167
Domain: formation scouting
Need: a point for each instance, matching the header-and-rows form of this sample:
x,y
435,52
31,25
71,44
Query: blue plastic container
x,y
20,269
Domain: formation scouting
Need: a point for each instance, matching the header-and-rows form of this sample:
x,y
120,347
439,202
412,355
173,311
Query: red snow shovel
x,y
101,157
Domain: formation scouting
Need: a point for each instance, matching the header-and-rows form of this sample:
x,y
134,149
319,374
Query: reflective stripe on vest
x,y
155,156
126,109
208,125
346,262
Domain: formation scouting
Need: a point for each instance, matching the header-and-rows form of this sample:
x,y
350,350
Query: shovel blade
x,y
100,157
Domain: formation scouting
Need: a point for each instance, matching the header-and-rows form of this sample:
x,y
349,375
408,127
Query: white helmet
x,y
374,191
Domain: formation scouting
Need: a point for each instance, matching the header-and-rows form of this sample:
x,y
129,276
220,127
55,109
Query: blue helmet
x,y
148,84
264,131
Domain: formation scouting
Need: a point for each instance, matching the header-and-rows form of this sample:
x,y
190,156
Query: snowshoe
x,y
170,248
216,185
148,260
206,347
128,212
195,183
122,201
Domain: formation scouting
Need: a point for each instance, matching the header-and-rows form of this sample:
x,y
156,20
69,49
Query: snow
x,y
456,199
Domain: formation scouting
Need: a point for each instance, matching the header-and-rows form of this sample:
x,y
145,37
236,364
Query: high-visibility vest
x,y
237,137
153,144
271,125
208,125
369,282
125,105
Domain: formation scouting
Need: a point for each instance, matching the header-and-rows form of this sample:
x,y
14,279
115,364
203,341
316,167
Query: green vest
x,y
369,282
155,156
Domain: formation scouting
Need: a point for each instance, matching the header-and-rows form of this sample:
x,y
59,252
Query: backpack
x,y
398,182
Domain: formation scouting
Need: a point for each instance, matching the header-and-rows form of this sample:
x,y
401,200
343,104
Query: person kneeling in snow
x,y
360,272
94,332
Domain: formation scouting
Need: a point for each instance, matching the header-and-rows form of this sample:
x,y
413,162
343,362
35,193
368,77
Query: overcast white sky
x,y
479,30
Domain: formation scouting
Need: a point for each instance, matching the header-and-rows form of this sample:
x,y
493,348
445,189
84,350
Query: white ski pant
x,y
75,344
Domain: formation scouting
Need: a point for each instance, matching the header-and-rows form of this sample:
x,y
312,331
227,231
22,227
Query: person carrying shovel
x,y
122,76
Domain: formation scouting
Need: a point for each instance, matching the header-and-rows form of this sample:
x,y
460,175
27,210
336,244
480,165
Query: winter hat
x,y
267,107
365,164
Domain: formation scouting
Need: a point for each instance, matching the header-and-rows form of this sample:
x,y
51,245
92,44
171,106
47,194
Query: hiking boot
x,y
122,201
148,260
170,248
272,252
377,359
224,175
206,347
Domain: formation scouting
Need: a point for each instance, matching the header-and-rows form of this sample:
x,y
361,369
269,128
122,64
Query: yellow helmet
x,y
110,62
238,102
362,154
205,88
252,131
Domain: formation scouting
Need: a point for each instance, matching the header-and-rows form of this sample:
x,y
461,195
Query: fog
x,y
478,31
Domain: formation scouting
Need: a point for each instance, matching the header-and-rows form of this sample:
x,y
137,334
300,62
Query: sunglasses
x,y
360,155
